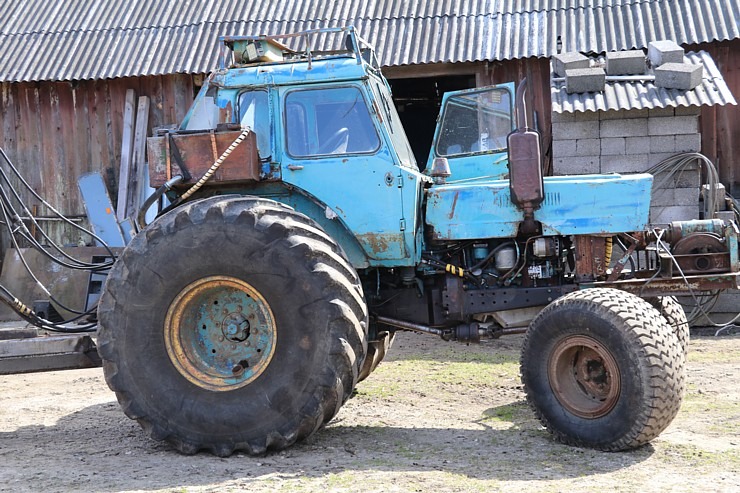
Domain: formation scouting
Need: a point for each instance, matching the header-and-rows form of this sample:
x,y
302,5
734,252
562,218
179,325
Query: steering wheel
x,y
333,143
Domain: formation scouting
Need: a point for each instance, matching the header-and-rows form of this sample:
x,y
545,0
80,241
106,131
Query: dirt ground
x,y
434,416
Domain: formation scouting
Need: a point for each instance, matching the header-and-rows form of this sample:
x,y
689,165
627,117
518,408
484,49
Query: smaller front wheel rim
x,y
220,333
584,376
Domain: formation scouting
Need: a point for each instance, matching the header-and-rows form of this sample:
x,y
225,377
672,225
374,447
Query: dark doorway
x,y
418,101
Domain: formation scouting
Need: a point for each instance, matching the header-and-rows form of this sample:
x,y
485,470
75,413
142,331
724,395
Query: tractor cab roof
x,y
308,56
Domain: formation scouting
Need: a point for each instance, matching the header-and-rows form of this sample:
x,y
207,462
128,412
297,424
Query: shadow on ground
x,y
99,449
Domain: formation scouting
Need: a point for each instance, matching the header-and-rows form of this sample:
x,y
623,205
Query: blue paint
x,y
100,210
336,151
587,204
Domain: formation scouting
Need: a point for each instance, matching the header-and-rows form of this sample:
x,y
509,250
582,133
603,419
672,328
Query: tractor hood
x,y
573,205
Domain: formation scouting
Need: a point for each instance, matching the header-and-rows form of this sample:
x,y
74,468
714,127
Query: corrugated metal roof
x,y
83,39
646,95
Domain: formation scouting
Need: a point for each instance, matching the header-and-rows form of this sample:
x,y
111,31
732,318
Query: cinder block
x,y
612,146
565,117
575,165
665,215
688,143
587,116
575,130
683,76
657,157
623,114
563,148
673,125
634,163
588,147
660,52
669,111
630,62
664,197
662,143
568,61
637,145
687,178
585,80
630,127
688,110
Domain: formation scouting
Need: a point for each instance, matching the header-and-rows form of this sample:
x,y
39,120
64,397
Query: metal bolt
x,y
239,308
232,329
250,316
233,346
225,311
221,338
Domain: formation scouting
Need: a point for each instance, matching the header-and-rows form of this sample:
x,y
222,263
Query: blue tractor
x,y
301,234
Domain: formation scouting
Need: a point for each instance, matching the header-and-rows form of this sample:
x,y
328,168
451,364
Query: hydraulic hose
x,y
166,187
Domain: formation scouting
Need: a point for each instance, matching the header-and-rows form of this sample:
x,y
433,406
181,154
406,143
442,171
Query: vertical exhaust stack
x,y
525,165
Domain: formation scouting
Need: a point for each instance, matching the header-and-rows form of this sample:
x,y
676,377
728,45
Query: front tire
x,y
602,369
232,324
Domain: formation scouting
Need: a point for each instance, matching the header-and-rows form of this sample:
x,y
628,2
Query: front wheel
x,y
602,369
232,323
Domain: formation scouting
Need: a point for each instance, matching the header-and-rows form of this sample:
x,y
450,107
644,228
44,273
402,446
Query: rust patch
x,y
454,205
377,243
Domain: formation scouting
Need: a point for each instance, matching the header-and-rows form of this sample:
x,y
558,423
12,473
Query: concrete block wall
x,y
633,141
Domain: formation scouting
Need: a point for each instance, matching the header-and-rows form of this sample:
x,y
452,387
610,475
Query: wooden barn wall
x,y
538,99
720,125
56,131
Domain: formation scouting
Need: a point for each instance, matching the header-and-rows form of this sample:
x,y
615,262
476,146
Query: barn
x,y
66,67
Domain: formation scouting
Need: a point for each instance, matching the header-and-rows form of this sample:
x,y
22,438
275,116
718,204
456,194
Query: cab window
x,y
254,112
475,122
329,121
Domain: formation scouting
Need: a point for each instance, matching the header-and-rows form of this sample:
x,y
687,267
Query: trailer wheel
x,y
232,324
602,369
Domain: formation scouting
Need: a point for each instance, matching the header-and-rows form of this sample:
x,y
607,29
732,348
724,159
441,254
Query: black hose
x,y
141,218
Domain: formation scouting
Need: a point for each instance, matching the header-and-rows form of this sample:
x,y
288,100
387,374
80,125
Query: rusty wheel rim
x,y
220,333
584,376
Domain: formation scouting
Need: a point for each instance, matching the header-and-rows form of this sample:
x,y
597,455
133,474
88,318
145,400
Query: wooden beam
x,y
127,146
138,161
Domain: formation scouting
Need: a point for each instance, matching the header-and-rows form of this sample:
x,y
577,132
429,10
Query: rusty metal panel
x,y
591,261
198,152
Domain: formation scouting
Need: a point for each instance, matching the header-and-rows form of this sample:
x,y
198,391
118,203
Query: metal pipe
x,y
521,107
401,324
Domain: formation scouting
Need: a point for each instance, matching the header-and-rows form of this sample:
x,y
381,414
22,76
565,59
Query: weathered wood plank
x,y
127,150
138,161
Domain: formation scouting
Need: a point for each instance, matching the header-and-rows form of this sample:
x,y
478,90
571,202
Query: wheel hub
x,y
584,376
220,333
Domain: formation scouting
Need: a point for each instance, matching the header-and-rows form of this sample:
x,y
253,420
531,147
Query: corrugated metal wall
x,y
56,131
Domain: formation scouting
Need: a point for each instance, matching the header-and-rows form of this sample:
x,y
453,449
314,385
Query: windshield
x,y
475,122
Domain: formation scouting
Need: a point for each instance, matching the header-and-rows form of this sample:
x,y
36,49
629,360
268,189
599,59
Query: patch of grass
x,y
508,413
715,357
690,455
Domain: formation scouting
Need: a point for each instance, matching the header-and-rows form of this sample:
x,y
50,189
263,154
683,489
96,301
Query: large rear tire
x,y
602,369
232,324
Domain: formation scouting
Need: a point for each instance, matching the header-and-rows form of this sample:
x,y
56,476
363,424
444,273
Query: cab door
x,y
471,131
334,151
